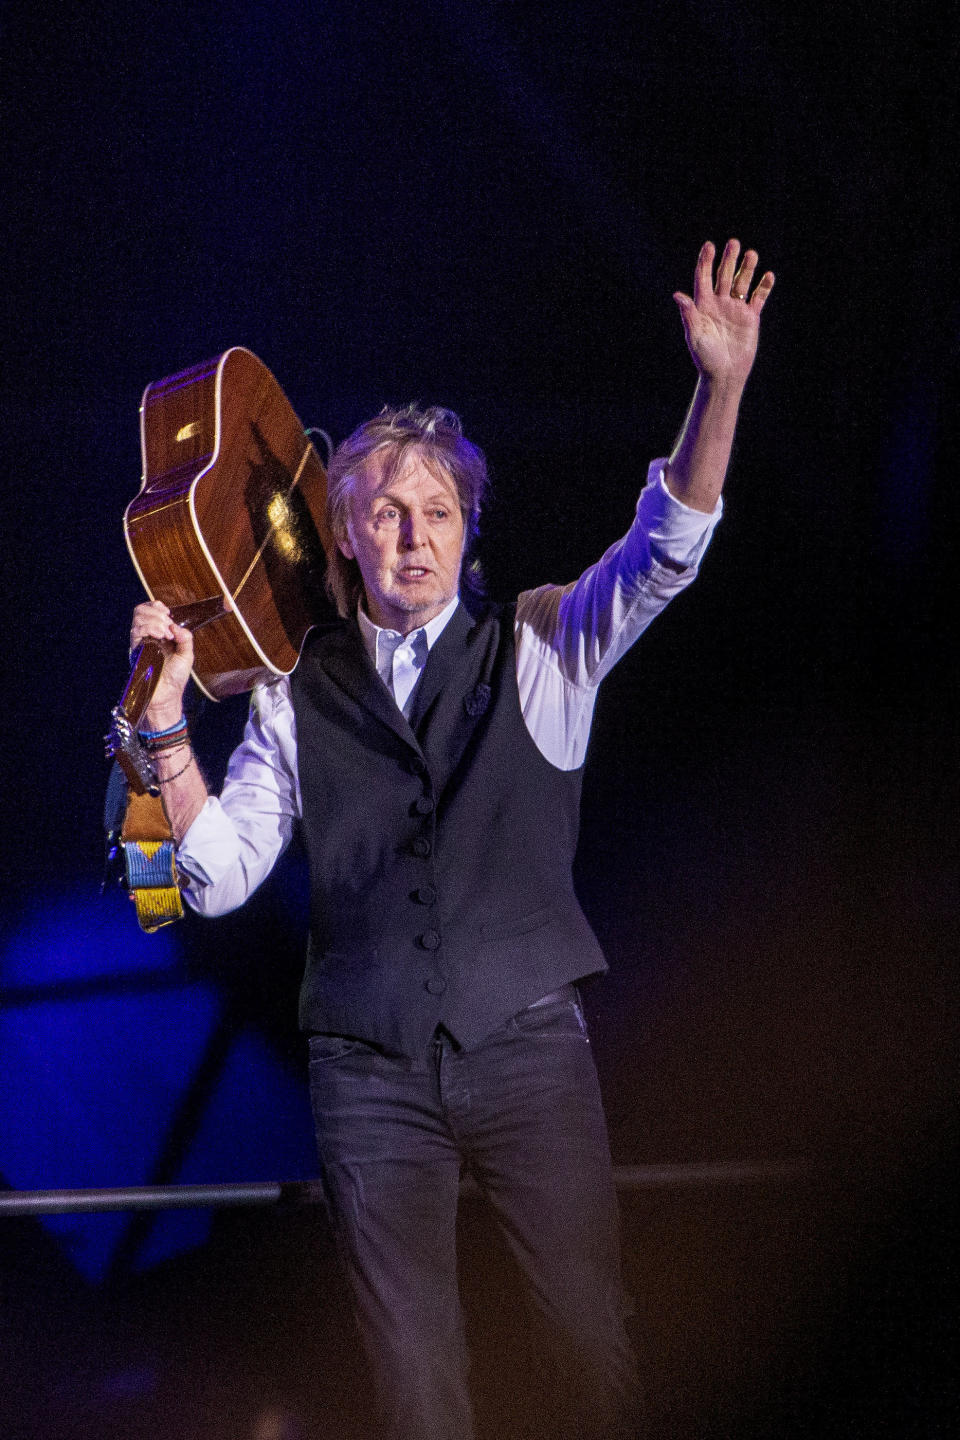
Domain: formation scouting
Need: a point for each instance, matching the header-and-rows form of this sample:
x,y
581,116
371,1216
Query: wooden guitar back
x,y
232,503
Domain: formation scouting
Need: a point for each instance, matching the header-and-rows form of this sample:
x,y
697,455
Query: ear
x,y
342,537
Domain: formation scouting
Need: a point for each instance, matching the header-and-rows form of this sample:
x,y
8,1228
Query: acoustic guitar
x,y
229,531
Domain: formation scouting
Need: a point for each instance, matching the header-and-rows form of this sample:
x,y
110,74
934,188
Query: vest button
x,y
420,847
424,805
429,940
427,894
436,985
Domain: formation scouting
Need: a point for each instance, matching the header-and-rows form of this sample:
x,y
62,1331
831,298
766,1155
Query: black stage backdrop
x,y
488,206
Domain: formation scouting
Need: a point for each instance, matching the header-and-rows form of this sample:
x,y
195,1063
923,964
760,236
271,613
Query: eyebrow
x,y
441,496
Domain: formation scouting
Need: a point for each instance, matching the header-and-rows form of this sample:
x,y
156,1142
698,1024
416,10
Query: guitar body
x,y
232,504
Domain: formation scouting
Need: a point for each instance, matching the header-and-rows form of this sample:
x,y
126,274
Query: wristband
x,y
159,734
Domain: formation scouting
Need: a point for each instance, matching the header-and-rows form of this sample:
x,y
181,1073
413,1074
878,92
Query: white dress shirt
x,y
399,659
567,639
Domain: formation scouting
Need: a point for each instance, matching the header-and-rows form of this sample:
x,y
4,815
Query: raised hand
x,y
722,320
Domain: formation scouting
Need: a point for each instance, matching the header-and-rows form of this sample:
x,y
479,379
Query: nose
x,y
412,530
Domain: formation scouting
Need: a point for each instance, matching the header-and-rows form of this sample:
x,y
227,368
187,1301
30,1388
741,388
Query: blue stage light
x,y
103,1031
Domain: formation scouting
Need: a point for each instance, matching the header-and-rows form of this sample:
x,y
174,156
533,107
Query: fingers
x,y
727,267
152,621
689,315
703,274
740,288
731,281
759,297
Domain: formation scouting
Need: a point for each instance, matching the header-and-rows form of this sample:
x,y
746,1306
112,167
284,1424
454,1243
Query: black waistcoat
x,y
440,850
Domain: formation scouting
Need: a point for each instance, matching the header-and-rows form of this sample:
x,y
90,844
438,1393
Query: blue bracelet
x,y
159,734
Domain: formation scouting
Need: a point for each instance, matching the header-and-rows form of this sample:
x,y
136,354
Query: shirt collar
x,y
431,631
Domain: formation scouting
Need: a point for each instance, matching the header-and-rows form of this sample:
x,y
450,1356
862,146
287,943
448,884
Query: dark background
x,y
488,206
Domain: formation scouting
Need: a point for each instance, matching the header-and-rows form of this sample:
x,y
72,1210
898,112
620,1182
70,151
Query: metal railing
x,y
297,1193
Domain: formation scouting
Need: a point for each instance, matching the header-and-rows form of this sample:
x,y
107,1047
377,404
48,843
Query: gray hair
x,y
436,435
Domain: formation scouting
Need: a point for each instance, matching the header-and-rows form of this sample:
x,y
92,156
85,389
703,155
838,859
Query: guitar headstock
x,y
123,745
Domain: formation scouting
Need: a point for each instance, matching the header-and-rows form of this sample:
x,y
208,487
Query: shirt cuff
x,y
210,847
675,530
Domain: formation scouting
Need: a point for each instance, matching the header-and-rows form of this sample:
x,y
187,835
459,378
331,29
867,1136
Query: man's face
x,y
407,537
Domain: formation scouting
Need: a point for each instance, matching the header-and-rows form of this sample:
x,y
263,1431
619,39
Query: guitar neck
x,y
144,678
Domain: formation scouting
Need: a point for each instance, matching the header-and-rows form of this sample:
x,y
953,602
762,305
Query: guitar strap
x,y
149,855
145,839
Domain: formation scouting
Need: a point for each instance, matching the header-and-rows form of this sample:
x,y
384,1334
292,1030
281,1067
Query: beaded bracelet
x,y
155,742
169,742
176,776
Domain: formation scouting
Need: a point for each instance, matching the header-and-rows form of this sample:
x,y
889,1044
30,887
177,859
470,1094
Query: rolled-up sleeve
x,y
237,838
675,532
569,637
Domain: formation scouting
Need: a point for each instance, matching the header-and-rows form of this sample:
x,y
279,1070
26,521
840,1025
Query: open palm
x,y
722,320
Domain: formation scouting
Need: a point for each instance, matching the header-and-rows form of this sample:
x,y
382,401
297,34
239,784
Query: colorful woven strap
x,y
150,858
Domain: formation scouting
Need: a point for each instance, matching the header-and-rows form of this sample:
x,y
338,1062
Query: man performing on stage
x,y
431,746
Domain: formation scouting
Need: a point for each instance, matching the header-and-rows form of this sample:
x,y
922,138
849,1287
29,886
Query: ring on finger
x,y
737,295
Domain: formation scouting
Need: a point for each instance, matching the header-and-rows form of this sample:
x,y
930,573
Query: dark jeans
x,y
522,1113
